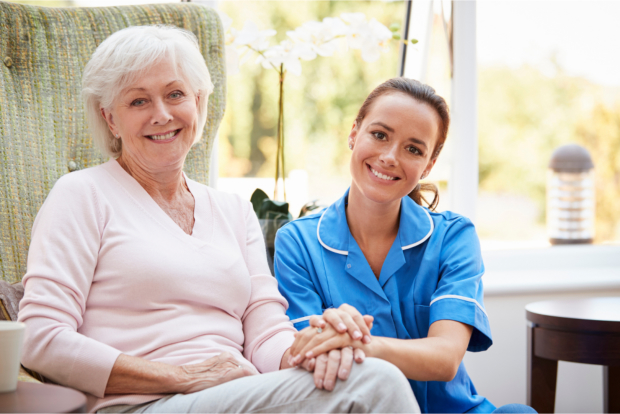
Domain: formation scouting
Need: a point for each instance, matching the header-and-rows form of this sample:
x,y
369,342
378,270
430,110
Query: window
x,y
320,105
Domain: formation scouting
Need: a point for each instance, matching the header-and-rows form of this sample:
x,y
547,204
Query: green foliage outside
x,y
524,115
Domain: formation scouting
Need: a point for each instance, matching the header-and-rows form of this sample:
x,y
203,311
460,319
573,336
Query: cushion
x,y
10,295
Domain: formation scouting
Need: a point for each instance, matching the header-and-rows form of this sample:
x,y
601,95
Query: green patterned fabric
x,y
43,131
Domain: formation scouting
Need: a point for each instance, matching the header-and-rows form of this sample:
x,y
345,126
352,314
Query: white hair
x,y
123,57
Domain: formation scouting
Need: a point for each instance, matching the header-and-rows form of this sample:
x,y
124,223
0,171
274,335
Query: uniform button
x,y
8,62
349,266
72,166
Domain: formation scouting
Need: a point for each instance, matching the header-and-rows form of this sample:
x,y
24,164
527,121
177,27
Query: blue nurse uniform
x,y
432,272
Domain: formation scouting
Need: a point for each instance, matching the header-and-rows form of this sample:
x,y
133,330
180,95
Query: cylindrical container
x,y
11,337
570,196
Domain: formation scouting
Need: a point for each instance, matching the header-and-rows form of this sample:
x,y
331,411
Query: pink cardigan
x,y
109,273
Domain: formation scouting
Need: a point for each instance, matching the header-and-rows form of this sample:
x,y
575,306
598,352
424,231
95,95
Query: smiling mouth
x,y
163,137
382,176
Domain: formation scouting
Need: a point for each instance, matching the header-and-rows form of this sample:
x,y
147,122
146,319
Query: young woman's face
x,y
393,146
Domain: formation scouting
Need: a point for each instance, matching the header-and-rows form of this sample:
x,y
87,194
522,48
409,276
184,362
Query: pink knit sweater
x,y
109,273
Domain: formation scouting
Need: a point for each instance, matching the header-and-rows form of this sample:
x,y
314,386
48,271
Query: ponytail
x,y
416,195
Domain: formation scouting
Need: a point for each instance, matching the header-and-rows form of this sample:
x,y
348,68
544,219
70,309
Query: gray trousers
x,y
375,386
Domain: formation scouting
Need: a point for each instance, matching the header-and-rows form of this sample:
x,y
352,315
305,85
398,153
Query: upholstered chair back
x,y
43,131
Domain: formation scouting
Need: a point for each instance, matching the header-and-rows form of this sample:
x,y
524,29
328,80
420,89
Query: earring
x,y
116,135
350,146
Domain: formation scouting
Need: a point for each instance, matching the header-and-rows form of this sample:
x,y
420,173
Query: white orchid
x,y
287,53
335,26
376,41
306,42
357,28
318,36
250,36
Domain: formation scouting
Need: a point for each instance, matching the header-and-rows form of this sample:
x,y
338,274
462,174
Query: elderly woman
x,y
151,292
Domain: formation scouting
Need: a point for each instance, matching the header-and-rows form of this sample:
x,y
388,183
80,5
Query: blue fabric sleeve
x,y
291,266
459,294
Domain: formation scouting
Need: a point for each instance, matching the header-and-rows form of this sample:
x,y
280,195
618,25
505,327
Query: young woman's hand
x,y
311,342
346,319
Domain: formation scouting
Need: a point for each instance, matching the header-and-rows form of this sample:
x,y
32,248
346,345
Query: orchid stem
x,y
280,138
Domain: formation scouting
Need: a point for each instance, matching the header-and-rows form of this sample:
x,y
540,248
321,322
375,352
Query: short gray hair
x,y
126,55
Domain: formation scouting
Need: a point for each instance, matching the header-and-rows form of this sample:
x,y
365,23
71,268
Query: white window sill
x,y
551,269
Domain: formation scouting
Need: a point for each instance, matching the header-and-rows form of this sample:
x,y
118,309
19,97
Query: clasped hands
x,y
331,343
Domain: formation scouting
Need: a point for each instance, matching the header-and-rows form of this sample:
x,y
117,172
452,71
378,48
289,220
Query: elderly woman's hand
x,y
134,375
214,371
345,319
329,367
310,343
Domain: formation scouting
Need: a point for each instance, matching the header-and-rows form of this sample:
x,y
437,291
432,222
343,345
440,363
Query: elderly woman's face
x,y
156,118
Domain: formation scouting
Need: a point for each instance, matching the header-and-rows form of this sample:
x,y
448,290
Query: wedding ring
x,y
319,330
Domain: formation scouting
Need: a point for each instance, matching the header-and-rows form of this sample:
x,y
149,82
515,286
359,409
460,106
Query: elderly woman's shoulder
x,y
80,178
227,202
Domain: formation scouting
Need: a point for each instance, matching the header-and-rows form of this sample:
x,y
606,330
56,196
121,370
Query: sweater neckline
x,y
203,219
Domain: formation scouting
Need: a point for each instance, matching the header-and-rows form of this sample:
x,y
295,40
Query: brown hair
x,y
421,93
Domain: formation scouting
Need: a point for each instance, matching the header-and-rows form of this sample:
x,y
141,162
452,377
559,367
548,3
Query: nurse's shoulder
x,y
453,237
451,223
303,229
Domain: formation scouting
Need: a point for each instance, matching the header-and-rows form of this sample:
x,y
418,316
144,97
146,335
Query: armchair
x,y
43,131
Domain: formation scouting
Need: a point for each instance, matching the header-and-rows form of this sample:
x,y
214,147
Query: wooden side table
x,y
579,330
33,397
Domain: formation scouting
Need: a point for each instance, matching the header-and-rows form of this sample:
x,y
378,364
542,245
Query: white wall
x,y
500,373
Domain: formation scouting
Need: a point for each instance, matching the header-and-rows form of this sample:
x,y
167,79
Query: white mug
x,y
11,338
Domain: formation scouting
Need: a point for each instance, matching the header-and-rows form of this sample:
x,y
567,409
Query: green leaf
x,y
414,41
395,27
396,36
272,209
257,199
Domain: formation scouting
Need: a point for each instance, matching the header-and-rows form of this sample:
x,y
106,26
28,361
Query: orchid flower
x,y
253,38
376,41
308,41
287,53
318,36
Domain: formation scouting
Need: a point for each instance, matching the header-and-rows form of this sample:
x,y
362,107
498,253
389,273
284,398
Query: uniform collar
x,y
416,226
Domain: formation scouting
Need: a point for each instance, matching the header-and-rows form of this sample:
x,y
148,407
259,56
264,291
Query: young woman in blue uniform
x,y
378,252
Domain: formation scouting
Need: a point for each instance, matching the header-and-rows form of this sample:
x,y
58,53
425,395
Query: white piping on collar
x,y
461,298
427,235
318,227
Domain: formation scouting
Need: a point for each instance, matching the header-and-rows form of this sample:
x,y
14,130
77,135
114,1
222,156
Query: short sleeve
x,y
295,280
459,294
